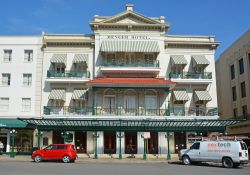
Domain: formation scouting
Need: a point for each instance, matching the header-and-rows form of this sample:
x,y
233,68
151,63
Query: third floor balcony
x,y
199,77
67,76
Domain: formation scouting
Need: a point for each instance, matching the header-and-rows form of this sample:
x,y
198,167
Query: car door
x,y
49,152
194,152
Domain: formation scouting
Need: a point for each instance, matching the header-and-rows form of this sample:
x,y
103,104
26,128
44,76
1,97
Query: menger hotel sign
x,y
127,37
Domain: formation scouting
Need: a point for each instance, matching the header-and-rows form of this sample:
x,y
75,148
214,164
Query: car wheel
x,y
186,160
37,158
227,162
66,159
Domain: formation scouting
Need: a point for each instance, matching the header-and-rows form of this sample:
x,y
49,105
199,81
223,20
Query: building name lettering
x,y
127,37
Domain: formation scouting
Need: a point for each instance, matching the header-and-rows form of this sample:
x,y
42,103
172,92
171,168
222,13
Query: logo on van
x,y
225,145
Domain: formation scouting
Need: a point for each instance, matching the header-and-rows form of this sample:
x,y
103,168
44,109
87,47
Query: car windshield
x,y
243,146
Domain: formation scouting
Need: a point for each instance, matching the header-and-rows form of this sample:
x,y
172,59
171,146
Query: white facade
x,y
137,47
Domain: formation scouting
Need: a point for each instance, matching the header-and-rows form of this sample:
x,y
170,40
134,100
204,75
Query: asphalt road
x,y
31,168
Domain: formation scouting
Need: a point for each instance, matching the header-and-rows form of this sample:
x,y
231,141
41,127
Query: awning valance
x,y
200,60
202,96
11,123
163,125
180,95
79,94
178,59
131,82
81,58
57,94
59,58
129,46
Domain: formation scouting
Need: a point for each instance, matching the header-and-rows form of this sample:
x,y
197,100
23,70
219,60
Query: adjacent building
x,y
128,69
233,87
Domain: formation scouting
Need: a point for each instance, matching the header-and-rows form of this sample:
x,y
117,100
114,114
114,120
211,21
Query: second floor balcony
x,y
191,76
120,111
67,76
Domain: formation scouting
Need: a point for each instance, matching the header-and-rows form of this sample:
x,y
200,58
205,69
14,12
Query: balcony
x,y
137,67
119,111
67,76
204,77
66,110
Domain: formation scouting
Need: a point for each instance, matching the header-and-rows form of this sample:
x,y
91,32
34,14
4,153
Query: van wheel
x,y
37,158
66,159
227,162
186,160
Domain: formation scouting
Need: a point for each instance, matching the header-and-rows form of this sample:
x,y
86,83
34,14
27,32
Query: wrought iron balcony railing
x,y
136,64
191,75
120,111
68,74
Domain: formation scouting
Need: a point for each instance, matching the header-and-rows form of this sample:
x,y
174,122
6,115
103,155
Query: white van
x,y
229,153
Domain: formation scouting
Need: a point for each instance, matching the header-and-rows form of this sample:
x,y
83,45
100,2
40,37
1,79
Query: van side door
x,y
194,152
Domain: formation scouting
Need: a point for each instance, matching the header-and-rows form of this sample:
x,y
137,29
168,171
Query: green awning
x,y
181,95
80,58
200,60
57,94
202,96
79,94
178,59
129,46
139,125
11,123
59,58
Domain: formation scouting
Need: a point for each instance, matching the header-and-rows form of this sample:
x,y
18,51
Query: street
x,y
31,168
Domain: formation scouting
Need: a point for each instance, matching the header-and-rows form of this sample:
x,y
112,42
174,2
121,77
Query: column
x,y
162,143
140,143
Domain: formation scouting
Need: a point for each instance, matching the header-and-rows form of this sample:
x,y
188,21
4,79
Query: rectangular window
x,y
249,60
28,56
27,79
241,66
232,72
5,79
234,93
4,104
244,110
7,56
243,89
26,104
235,111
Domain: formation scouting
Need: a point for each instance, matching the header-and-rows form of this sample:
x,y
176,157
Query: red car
x,y
64,152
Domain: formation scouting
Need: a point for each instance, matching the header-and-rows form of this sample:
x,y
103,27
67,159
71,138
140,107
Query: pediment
x,y
130,17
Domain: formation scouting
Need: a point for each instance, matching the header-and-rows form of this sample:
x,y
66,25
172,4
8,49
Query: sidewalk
x,y
82,158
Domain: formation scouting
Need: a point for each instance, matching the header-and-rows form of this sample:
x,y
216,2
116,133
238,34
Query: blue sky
x,y
226,19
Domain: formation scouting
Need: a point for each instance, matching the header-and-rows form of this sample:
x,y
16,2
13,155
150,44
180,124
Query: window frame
x,y
26,107
232,72
7,105
28,82
241,66
8,76
30,54
9,52
234,93
243,89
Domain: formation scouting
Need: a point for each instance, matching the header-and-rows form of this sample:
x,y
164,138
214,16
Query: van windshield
x,y
243,146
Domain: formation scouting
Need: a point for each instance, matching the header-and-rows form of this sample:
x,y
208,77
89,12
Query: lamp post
x,y
65,136
13,133
144,152
95,135
167,136
120,136
39,135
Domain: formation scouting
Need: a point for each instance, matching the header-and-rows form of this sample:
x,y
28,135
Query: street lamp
x,y
95,135
120,136
65,136
144,152
13,133
167,136
39,135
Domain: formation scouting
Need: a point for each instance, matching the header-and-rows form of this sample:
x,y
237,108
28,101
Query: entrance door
x,y
152,146
151,104
109,142
130,104
80,142
3,139
180,141
130,142
57,137
109,104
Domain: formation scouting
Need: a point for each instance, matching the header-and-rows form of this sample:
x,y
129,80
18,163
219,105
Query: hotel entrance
x,y
81,141
109,142
152,143
130,142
